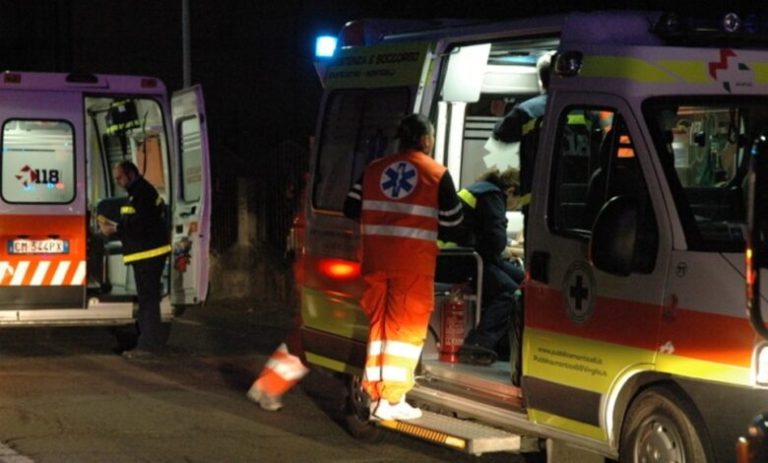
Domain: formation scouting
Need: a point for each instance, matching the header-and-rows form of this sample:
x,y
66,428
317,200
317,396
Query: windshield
x,y
702,145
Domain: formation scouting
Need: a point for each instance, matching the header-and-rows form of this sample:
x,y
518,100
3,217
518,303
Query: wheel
x,y
356,415
661,426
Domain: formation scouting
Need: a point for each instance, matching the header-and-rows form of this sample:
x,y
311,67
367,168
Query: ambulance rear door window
x,y
38,163
358,127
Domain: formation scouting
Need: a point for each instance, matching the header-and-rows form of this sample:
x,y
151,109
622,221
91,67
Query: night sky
x,y
252,57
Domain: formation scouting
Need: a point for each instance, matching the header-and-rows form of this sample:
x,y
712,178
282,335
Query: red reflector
x,y
148,83
338,268
11,78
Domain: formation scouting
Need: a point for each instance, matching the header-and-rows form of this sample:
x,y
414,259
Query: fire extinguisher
x,y
452,327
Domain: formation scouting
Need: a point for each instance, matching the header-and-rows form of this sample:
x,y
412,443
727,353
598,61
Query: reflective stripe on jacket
x,y
400,213
143,229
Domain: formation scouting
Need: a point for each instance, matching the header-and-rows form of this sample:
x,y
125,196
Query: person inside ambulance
x,y
485,220
404,202
522,125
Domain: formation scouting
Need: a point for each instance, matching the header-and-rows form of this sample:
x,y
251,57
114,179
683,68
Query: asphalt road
x,y
66,396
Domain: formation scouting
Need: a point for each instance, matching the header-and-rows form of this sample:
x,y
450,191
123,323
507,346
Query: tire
x,y
661,426
356,414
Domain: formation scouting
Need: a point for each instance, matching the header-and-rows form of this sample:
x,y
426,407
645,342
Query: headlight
x,y
761,366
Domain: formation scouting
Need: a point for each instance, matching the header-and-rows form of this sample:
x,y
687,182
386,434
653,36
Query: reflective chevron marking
x,y
42,273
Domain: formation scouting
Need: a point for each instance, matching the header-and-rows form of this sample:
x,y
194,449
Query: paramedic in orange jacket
x,y
402,201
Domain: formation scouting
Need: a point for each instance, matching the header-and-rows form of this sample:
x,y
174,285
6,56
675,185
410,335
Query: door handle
x,y
189,212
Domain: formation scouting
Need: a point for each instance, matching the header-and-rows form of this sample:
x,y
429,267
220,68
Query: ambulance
x,y
752,447
61,136
636,346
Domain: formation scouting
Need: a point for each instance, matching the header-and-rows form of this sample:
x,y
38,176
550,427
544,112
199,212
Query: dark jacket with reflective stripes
x,y
485,219
522,124
142,228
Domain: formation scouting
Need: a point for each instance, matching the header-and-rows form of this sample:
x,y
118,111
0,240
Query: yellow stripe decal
x,y
573,426
760,71
704,370
147,254
330,364
694,72
127,210
624,68
334,312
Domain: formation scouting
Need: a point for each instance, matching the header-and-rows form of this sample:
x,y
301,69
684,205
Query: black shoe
x,y
474,354
138,354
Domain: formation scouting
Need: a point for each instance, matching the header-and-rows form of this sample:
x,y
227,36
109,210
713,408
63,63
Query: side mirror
x,y
614,236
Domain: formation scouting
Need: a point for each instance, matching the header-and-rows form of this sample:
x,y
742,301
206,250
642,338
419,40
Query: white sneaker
x,y
265,401
401,411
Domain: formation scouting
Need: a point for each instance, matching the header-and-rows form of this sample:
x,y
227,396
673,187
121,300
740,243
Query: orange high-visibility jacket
x,y
400,213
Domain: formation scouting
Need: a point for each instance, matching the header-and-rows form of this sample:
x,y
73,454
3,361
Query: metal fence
x,y
275,181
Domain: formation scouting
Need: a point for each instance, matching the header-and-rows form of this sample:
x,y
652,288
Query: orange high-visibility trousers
x,y
398,306
282,371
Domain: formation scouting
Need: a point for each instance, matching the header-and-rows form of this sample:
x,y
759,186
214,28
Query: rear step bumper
x,y
458,434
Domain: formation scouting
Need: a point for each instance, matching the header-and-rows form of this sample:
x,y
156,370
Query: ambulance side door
x,y
190,236
367,91
587,330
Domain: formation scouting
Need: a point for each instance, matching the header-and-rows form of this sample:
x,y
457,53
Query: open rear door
x,y
192,204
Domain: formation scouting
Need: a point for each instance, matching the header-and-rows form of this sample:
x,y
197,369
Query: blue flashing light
x,y
325,46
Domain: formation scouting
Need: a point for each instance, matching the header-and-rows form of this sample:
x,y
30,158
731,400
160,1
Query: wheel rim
x,y
358,399
659,441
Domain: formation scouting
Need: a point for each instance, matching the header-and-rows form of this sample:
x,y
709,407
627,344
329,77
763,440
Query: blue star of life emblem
x,y
399,180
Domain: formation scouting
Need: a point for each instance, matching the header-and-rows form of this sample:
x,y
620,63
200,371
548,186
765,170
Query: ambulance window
x,y
38,161
702,146
130,129
577,160
596,161
358,127
191,159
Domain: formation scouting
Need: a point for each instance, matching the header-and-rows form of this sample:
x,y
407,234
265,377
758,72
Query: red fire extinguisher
x,y
452,327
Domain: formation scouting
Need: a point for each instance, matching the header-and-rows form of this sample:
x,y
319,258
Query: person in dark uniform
x,y
485,207
522,124
144,233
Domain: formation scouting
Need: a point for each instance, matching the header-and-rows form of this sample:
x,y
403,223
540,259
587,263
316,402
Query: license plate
x,y
47,246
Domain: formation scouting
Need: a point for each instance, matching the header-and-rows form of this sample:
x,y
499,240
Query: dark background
x,y
254,61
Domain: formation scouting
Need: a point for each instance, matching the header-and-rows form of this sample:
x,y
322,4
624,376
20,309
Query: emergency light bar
x,y
325,46
730,26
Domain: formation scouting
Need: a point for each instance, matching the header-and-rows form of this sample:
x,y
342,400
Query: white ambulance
x,y
636,344
61,135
